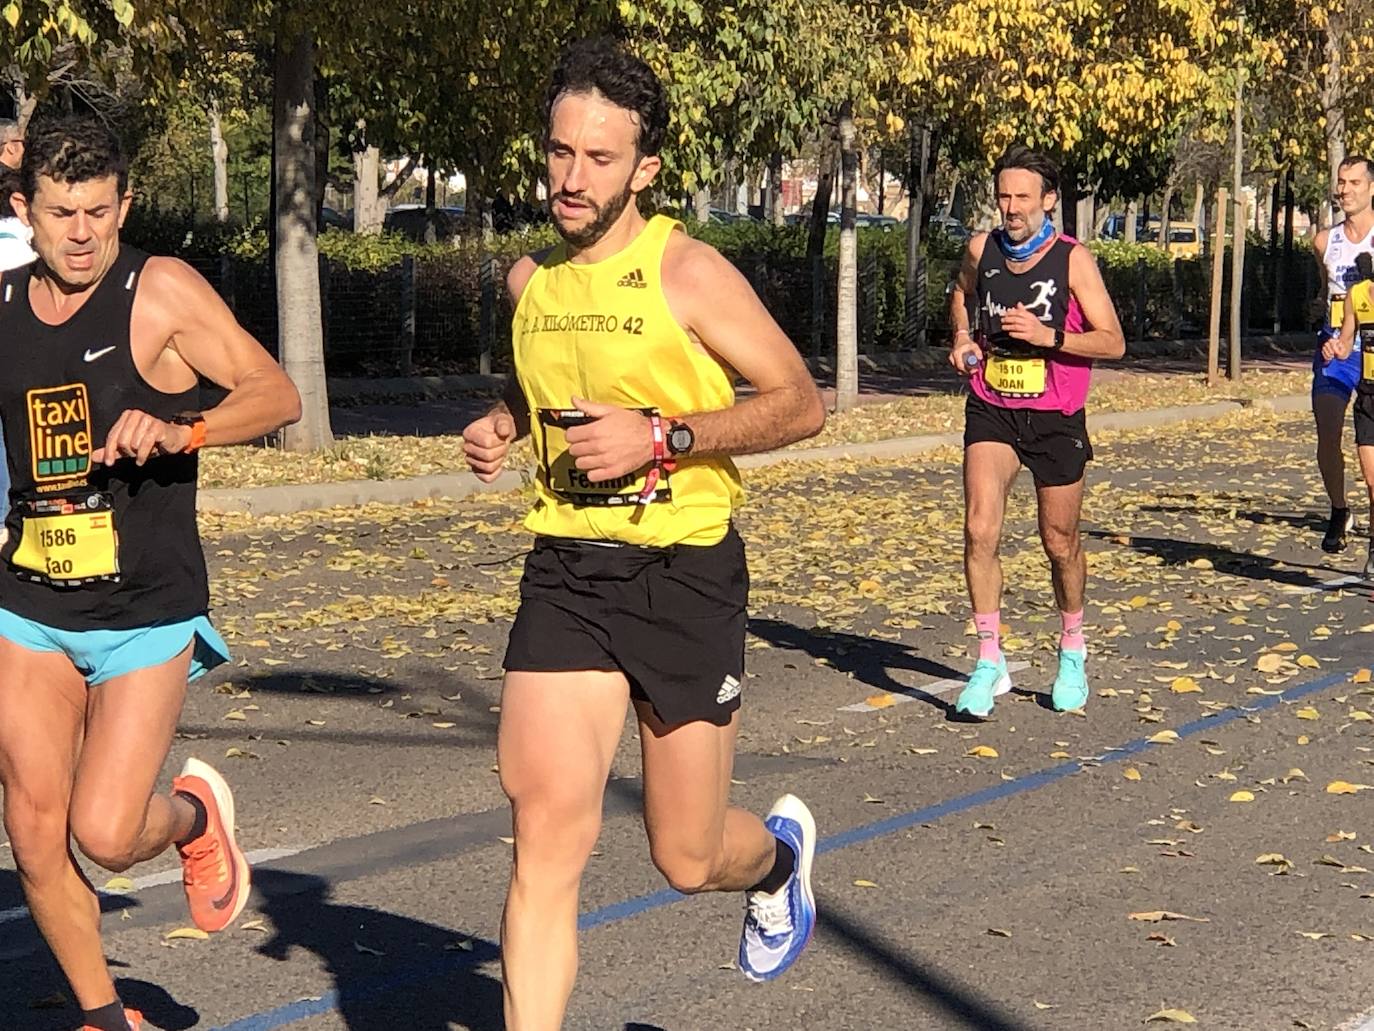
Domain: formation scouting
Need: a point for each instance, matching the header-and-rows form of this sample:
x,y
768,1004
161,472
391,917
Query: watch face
x,y
680,439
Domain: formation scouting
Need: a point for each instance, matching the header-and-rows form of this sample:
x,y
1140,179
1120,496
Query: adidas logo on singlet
x,y
634,279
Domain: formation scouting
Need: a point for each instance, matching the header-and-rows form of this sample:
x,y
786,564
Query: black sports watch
x,y
680,438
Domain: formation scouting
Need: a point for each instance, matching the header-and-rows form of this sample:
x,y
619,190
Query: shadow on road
x,y
958,1006
389,971
1224,560
869,659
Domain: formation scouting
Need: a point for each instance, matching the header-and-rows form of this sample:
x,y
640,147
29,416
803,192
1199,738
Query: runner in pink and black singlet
x,y
1030,315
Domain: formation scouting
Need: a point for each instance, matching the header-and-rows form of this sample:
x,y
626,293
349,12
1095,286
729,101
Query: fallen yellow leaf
x,y
1184,685
864,884
880,701
1362,676
1154,916
1172,1017
1342,787
1242,796
982,752
1308,662
1164,737
119,884
186,932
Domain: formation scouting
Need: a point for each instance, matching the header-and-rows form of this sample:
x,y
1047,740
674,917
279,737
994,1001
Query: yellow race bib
x,y
569,483
1337,311
68,540
1367,363
1015,377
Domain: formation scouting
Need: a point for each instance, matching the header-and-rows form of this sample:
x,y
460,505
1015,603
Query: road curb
x,y
304,497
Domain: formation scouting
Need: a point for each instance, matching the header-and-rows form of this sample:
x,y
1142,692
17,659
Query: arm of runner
x,y
965,286
1103,338
487,440
179,306
719,309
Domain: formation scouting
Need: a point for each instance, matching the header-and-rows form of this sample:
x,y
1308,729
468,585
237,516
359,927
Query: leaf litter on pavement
x,y
859,553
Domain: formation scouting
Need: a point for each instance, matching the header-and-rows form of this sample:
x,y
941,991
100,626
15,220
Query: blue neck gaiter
x,y
1022,251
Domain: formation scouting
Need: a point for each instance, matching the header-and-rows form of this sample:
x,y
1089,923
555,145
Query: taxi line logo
x,y
59,432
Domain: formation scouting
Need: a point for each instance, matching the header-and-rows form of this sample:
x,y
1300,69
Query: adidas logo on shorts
x,y
729,688
634,279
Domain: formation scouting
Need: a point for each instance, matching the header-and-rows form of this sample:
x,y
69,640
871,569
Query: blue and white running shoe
x,y
778,926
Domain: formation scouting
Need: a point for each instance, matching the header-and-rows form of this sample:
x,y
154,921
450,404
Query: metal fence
x,y
452,314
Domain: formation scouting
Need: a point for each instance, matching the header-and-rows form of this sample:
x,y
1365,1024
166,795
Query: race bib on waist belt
x,y
1337,313
1364,347
67,541
1015,377
569,483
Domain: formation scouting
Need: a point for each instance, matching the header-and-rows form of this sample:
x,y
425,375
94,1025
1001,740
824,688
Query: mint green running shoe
x,y
985,683
1070,689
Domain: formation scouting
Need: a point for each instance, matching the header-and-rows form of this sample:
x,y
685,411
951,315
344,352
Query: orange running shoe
x,y
213,869
134,1018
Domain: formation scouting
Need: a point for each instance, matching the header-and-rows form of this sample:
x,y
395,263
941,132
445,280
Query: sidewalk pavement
x,y
304,497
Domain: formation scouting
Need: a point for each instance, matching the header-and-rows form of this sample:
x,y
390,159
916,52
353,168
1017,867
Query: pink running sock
x,y
1071,636
989,627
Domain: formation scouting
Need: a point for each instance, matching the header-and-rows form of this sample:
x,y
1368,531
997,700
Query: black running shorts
x,y
671,619
1052,445
1364,419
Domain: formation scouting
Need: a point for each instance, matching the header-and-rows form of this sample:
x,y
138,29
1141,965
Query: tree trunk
x,y
918,159
1100,220
1087,217
1238,235
1199,202
1132,209
431,230
220,151
369,210
847,294
1333,99
701,201
1164,206
300,330
773,205
820,205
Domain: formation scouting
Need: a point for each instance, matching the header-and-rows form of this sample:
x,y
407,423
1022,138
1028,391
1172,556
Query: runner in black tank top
x,y
103,591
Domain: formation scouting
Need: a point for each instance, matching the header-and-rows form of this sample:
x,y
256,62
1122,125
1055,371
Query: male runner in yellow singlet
x,y
625,336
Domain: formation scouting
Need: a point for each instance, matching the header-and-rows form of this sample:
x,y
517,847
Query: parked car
x,y
884,222
410,220
332,219
1185,241
951,227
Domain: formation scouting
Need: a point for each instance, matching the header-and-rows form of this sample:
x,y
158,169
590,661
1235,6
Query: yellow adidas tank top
x,y
603,331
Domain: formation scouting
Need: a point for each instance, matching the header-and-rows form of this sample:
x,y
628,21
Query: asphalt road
x,y
956,890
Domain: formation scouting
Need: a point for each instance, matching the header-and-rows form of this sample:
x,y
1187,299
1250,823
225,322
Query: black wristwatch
x,y
1058,340
680,438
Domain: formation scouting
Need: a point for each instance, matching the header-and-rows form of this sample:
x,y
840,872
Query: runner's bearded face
x,y
75,227
595,168
1023,202
1353,188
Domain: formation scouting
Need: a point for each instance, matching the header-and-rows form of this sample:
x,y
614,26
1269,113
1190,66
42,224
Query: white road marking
x,y
172,876
902,695
1330,585
1360,1022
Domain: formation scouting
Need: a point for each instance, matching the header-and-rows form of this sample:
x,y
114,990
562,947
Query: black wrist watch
x,y
1058,340
680,438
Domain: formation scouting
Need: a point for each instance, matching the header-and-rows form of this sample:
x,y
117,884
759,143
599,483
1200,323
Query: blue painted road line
x,y
618,911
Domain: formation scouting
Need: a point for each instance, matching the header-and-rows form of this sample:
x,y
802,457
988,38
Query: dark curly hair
x,y
1018,156
72,149
9,186
603,66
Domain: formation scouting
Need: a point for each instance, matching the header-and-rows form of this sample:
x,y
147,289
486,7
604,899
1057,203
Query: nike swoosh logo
x,y
91,356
